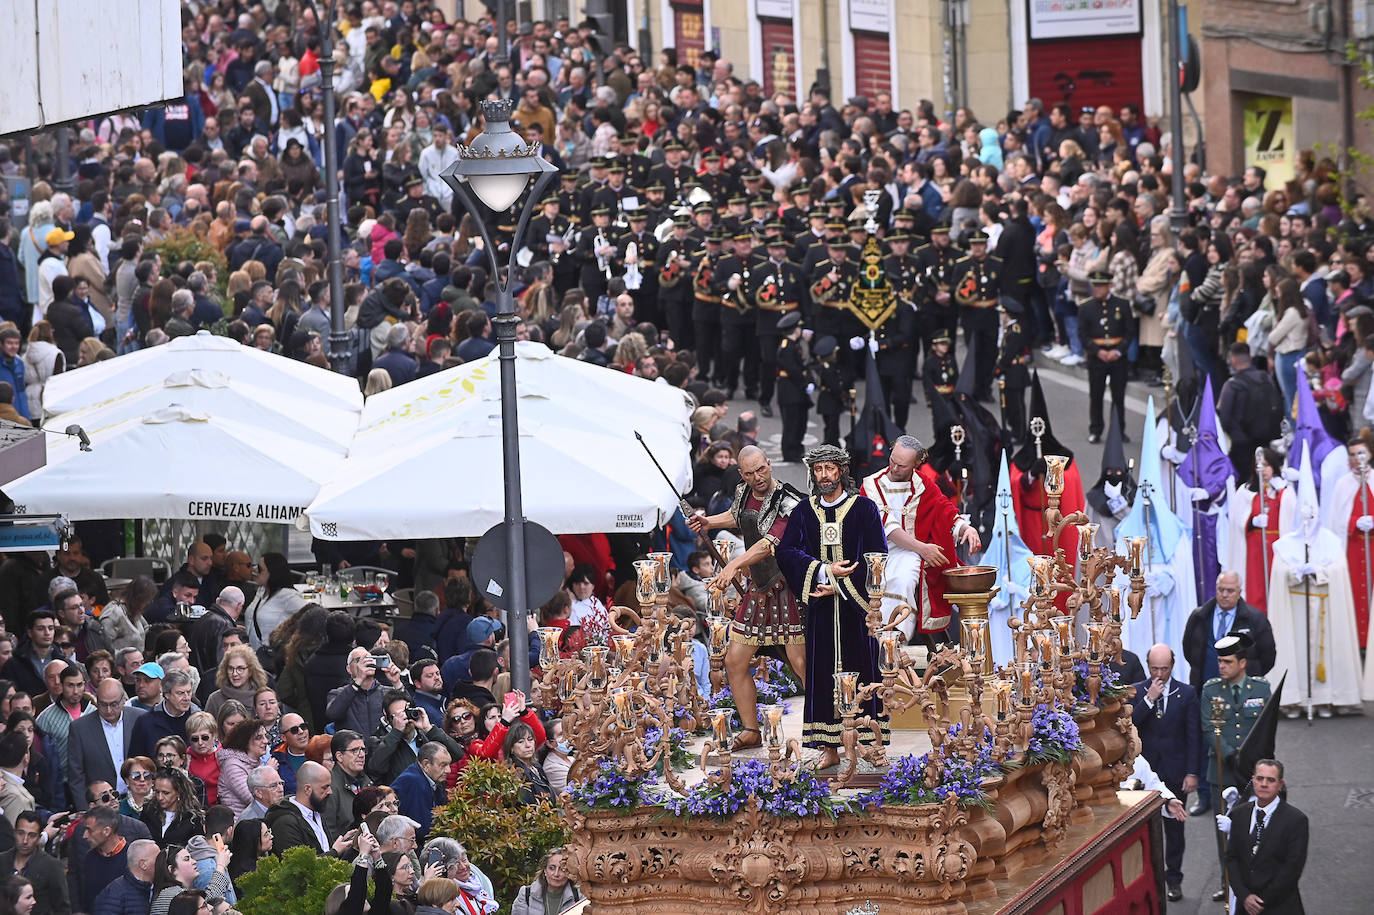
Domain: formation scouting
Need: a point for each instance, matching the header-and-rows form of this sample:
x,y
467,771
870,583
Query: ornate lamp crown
x,y
497,140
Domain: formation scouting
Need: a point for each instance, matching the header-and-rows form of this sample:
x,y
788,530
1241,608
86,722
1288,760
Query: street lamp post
x,y
340,341
496,170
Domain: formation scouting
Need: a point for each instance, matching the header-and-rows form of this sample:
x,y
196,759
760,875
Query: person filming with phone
x,y
359,704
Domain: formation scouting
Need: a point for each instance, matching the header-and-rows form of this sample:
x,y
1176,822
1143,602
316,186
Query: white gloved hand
x,y
856,343
1365,523
1117,505
873,345
1111,490
733,282
1223,824
810,389
1290,474
1171,454
1303,570
1198,494
1260,521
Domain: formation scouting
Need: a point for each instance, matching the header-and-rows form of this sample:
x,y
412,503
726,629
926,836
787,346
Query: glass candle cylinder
x,y
1137,550
1097,634
664,581
1087,538
889,651
1002,696
1063,628
646,580
772,725
595,657
549,637
1047,644
720,725
624,646
847,692
718,628
974,635
622,701
1025,683
1054,473
877,566
567,684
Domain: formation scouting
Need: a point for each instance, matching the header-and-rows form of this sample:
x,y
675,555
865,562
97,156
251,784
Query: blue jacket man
x,y
12,370
421,787
1165,712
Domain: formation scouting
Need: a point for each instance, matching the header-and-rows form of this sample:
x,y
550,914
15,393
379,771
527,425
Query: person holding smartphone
x,y
358,705
404,729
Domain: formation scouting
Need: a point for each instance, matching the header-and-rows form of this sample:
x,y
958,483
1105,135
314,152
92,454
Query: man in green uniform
x,y
1243,698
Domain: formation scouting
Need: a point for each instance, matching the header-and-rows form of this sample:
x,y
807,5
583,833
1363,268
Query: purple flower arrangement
x,y
1112,687
905,781
1055,737
679,757
751,783
610,789
768,694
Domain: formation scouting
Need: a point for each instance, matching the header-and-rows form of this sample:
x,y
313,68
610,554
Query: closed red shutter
x,y
779,63
872,65
689,32
1086,71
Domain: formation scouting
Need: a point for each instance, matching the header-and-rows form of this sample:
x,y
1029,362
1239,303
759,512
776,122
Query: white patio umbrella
x,y
427,458
293,412
181,463
106,381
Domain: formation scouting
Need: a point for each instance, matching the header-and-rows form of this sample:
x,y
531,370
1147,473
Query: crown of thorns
x,y
826,454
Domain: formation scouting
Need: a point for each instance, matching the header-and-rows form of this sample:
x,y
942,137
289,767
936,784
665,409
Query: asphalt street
x,y
1330,765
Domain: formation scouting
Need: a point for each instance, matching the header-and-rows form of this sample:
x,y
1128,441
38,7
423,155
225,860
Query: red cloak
x,y
1029,505
934,523
1256,586
1358,545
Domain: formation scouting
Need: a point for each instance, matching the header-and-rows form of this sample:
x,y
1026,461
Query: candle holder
x,y
974,639
876,563
1087,538
646,581
595,657
624,646
889,652
549,637
1063,628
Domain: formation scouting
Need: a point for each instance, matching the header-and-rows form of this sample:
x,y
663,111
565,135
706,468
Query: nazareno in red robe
x,y
1256,585
934,523
1029,505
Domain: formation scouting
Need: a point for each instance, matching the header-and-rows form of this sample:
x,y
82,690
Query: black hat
x,y
715,236
295,141
977,236
413,180
657,186
760,202
601,211
905,215
673,146
1100,278
834,225
711,155
1234,645
896,236
738,198
703,207
637,215
856,225
752,175
941,336
742,235
775,224
1008,304
823,347
940,229
682,219
801,187
548,199
789,320
817,211
570,175
1025,459
617,167
599,162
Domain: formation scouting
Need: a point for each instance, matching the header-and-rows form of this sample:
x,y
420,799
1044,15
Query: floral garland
x,y
905,781
611,789
679,757
1112,688
752,783
1054,737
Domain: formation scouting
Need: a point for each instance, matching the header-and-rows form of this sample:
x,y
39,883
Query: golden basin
x,y
970,579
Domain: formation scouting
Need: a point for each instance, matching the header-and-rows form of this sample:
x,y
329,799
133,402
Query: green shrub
x,y
183,245
297,883
505,838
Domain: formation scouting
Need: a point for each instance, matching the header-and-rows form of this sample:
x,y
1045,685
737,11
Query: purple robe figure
x,y
1310,430
1205,469
837,637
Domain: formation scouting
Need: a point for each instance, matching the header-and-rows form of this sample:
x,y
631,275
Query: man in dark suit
x,y
1165,712
1267,848
1224,615
421,787
89,739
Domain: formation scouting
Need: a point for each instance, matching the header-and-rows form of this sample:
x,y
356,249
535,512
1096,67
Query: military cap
x,y
739,198
657,186
682,219
977,236
1234,645
789,320
601,211
941,336
940,229
703,207
1100,278
823,347
711,155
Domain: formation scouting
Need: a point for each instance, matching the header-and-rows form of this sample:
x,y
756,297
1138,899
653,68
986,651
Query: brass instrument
x,y
602,261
